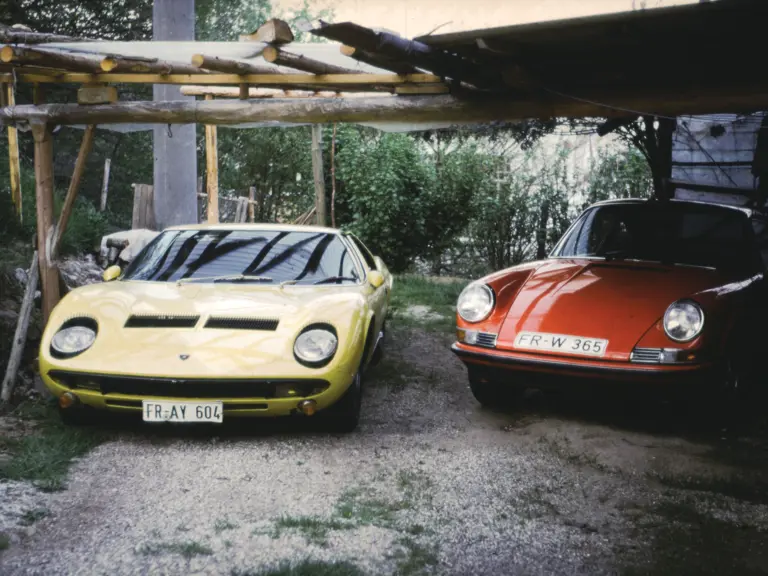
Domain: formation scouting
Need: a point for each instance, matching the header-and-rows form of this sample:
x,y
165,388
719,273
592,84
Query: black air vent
x,y
242,323
161,321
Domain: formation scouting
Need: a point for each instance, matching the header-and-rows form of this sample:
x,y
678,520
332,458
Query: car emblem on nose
x,y
183,356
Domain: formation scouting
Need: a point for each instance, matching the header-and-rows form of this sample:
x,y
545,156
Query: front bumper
x,y
546,371
241,397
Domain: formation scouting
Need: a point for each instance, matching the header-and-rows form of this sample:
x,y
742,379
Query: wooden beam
x,y
49,275
105,184
49,58
13,156
271,78
297,61
20,335
378,61
411,109
96,94
251,202
228,66
74,184
212,170
232,92
11,36
123,65
273,31
317,172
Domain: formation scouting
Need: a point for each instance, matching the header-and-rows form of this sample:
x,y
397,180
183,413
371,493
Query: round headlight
x,y
475,302
73,340
683,320
315,346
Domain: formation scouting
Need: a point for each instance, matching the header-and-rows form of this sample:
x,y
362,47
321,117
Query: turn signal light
x,y
307,407
67,400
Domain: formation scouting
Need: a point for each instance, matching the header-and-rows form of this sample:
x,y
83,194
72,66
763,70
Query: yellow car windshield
x,y
261,256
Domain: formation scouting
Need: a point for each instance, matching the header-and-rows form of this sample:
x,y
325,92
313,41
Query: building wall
x,y
411,18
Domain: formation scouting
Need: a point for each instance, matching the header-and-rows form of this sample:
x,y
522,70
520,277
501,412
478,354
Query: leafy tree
x,y
618,174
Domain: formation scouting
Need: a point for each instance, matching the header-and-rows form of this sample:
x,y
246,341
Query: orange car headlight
x,y
683,320
475,302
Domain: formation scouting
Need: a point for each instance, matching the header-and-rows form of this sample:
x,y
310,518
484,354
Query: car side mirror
x,y
376,278
111,273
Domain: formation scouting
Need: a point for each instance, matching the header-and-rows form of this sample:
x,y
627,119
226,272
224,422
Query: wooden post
x,y
251,204
333,177
212,170
13,156
74,184
49,276
143,207
317,171
20,336
105,184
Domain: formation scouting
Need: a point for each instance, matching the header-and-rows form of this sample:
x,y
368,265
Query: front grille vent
x,y
486,339
269,324
161,321
646,355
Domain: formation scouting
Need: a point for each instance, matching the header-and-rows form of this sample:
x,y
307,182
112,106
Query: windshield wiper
x,y
335,279
228,278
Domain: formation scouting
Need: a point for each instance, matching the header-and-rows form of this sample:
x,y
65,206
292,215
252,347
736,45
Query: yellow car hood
x,y
201,351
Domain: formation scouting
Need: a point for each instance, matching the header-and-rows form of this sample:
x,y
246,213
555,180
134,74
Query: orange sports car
x,y
636,290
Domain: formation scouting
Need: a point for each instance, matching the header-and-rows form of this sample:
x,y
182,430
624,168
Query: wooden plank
x,y
49,275
400,109
20,335
229,66
378,61
231,79
135,219
74,184
232,92
143,207
105,184
251,202
42,57
98,94
13,157
212,170
123,65
299,62
317,172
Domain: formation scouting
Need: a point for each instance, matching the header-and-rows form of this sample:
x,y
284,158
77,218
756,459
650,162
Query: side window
x,y
367,256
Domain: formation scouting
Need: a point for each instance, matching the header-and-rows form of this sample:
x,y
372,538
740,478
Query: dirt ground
x,y
430,484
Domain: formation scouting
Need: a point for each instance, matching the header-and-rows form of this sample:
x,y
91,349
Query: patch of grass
x,y
414,558
356,506
223,524
305,568
44,456
414,483
441,297
29,517
5,541
314,529
188,549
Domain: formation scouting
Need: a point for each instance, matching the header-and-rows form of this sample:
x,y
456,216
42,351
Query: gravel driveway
x,y
430,484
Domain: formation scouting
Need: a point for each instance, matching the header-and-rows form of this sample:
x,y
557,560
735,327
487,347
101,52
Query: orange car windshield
x,y
672,233
267,256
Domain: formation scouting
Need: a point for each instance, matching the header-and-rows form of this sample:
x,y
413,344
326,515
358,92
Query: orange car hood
x,y
618,301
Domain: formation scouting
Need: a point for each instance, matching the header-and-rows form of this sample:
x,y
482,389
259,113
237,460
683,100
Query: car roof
x,y
247,227
620,201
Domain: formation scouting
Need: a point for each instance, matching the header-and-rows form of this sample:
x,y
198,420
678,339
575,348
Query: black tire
x,y
344,416
77,416
492,394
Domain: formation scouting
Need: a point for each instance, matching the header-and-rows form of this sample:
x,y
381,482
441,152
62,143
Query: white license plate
x,y
181,411
561,343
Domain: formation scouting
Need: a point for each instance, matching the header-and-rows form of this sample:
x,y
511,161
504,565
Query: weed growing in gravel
x,y
29,517
305,568
187,549
354,505
223,524
414,559
44,456
314,529
5,541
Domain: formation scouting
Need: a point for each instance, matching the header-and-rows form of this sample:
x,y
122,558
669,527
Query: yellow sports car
x,y
214,321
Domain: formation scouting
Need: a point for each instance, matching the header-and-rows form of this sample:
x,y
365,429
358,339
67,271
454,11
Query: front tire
x,y
344,416
491,394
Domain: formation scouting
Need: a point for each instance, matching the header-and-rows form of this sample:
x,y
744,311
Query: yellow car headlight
x,y
316,345
74,337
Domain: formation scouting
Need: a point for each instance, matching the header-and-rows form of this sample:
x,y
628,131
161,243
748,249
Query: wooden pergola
x,y
617,65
